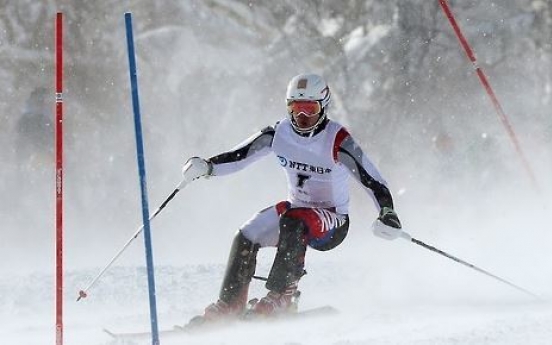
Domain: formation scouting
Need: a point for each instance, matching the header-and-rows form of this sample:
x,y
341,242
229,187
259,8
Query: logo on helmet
x,y
302,84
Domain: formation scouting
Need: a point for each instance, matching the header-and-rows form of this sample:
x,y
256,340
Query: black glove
x,y
389,217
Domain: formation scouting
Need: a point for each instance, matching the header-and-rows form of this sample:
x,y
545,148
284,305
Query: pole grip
x,y
405,235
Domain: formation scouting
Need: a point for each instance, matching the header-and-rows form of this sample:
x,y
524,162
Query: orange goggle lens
x,y
307,108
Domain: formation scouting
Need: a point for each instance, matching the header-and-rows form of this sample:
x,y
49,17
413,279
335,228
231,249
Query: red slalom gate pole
x,y
59,177
483,78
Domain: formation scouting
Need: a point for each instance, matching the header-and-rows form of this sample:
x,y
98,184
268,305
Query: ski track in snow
x,y
120,303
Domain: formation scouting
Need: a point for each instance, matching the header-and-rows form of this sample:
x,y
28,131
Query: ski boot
x,y
274,304
219,312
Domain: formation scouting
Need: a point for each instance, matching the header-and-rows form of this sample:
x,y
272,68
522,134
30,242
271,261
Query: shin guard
x,y
288,266
239,270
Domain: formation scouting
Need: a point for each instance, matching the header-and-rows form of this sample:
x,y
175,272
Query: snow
x,y
119,303
386,292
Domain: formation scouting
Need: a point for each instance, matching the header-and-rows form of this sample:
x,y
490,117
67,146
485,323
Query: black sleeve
x,y
248,148
364,171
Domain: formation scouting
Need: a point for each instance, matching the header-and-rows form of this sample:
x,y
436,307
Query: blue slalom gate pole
x,y
142,173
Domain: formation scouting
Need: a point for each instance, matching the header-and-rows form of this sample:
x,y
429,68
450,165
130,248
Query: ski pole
x,y
84,293
409,238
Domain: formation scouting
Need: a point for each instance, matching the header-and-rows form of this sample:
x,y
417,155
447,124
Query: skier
x,y
317,155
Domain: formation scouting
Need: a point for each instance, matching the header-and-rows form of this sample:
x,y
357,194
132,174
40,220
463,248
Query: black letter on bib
x,y
301,180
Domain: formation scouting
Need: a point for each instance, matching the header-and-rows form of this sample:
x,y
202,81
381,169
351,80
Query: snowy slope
x,y
386,292
369,313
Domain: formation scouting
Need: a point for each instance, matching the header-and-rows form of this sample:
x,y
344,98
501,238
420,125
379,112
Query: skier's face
x,y
305,122
305,113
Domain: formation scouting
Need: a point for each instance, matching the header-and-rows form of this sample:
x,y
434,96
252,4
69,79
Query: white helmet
x,y
308,87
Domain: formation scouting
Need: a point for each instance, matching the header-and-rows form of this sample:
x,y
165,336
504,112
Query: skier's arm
x,y
364,171
387,225
249,151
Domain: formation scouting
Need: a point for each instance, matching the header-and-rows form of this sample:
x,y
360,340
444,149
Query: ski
x,y
142,335
198,327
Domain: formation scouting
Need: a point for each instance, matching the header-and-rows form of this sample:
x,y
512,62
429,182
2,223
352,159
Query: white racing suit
x,y
315,214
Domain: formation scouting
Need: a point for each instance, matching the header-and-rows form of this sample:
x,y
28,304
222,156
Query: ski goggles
x,y
307,108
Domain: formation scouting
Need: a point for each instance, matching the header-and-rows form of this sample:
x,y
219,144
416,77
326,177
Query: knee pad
x,y
302,217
